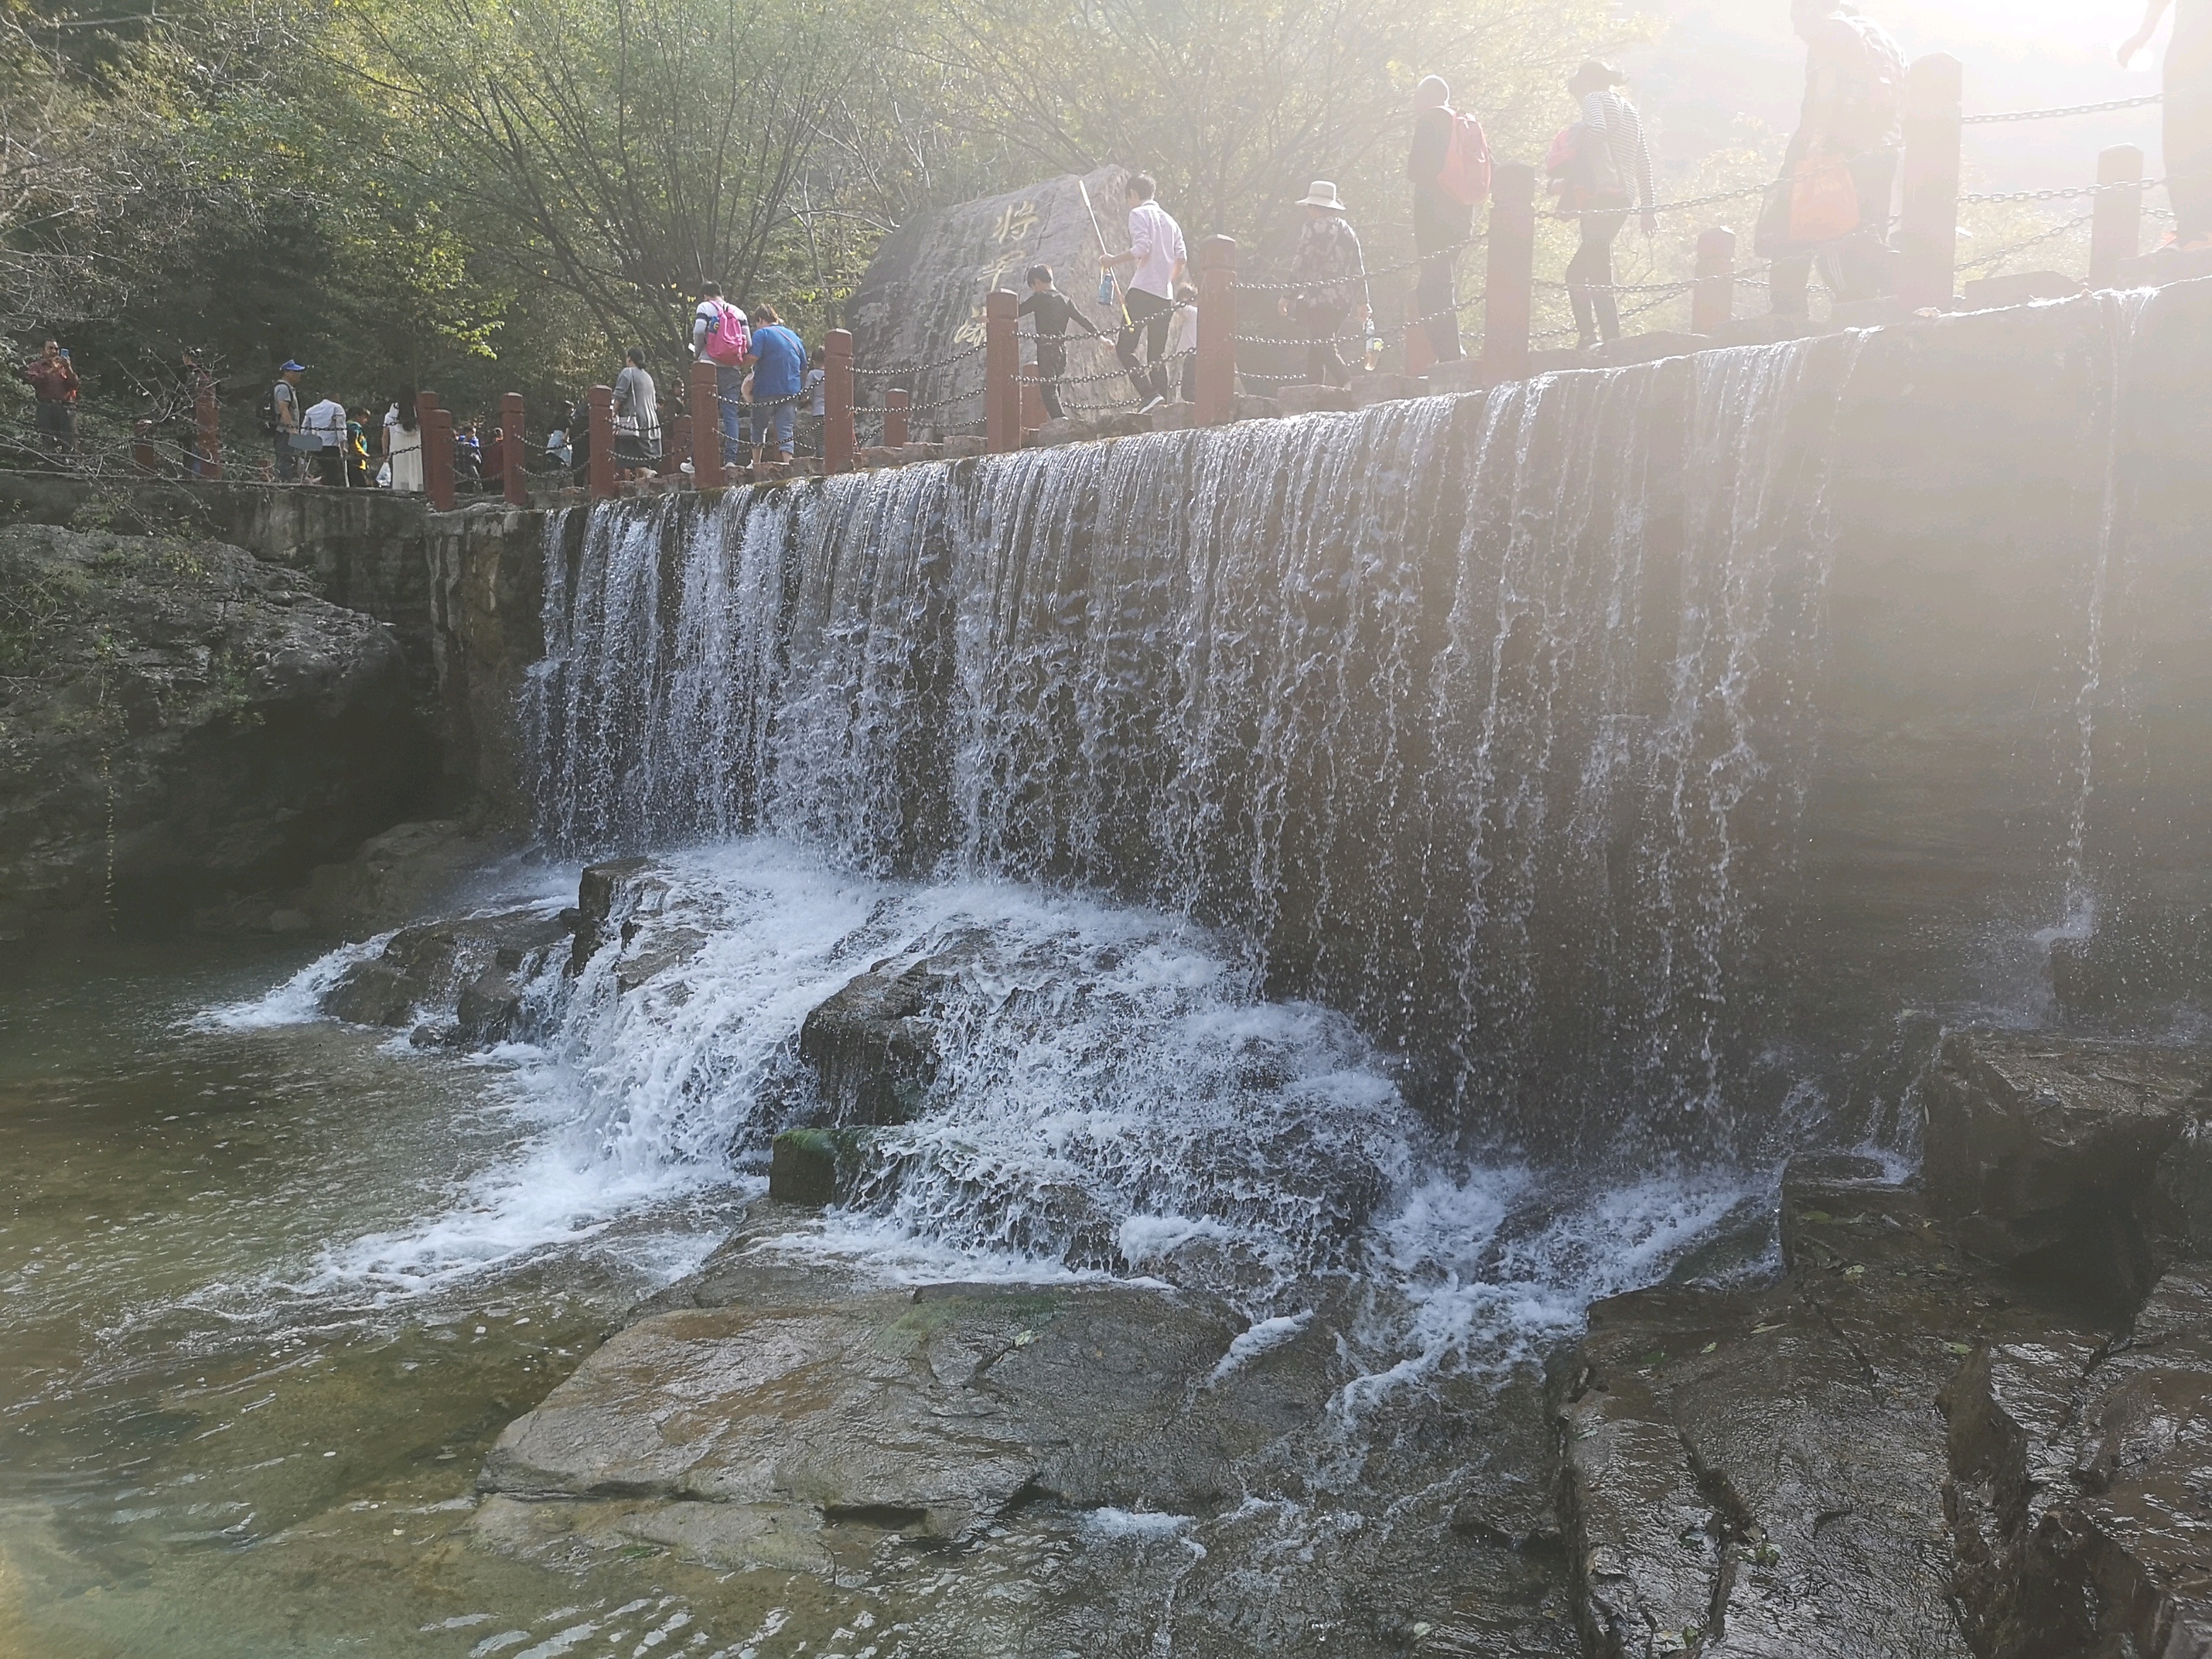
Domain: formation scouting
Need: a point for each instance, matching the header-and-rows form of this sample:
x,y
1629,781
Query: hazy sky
x,y
1725,58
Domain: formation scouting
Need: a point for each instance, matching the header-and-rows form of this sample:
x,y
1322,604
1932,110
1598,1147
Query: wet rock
x,y
2080,1490
934,1409
2039,1149
1761,1470
873,1045
816,1167
609,895
462,979
398,877
180,724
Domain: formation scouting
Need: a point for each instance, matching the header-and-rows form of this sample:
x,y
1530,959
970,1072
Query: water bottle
x,y
1106,288
1374,350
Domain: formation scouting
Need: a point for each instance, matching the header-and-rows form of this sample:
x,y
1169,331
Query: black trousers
x,y
1051,365
1148,315
1590,279
1325,365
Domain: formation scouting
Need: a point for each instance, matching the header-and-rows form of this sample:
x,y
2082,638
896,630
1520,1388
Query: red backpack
x,y
1465,175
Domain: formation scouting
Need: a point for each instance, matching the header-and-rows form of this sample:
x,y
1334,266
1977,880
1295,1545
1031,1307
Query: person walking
x,y
1608,174
280,418
1155,259
1051,314
779,358
403,444
1450,165
637,419
54,387
1853,117
1331,275
325,423
722,336
2187,112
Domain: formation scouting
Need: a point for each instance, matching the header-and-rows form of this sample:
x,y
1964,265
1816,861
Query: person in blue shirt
x,y
779,364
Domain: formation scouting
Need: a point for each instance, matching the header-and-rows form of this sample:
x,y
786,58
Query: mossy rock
x,y
816,1166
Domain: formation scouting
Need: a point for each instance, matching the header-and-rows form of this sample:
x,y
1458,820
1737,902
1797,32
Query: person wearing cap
x,y
1330,274
54,386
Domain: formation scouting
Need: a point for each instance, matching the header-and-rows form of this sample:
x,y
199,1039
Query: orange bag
x,y
1823,200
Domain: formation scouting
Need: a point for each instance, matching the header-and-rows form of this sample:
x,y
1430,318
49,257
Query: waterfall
x,y
1482,719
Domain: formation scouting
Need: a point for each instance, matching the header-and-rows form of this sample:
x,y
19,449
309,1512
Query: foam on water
x,y
299,998
1114,1098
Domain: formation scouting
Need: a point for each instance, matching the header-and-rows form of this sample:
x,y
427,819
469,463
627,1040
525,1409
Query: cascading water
x,y
1479,720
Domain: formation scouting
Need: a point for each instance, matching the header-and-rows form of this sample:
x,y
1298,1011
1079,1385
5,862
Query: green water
x,y
199,1462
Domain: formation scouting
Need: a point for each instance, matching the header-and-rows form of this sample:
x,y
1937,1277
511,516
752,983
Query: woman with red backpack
x,y
1600,170
1450,166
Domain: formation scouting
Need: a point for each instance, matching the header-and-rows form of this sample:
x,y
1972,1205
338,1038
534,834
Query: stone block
x,y
1650,347
1256,406
2020,288
1174,417
910,453
1372,389
1317,399
1462,374
963,449
2163,265
876,456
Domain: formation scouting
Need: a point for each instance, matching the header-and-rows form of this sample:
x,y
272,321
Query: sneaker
x,y
1150,404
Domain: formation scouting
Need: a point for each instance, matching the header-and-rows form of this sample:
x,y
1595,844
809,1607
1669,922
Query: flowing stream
x,y
1338,830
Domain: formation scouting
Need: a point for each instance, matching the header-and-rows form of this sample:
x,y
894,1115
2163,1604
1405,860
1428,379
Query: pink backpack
x,y
727,342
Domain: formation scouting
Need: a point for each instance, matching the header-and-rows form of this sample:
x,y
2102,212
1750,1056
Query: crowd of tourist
x,y
1828,210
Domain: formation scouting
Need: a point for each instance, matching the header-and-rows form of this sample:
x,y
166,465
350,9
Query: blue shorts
x,y
777,418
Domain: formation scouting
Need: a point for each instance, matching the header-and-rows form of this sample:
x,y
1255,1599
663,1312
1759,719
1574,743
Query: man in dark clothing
x,y
1855,109
54,384
1050,313
1440,223
2188,113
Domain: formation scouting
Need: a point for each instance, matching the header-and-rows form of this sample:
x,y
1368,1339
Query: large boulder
x,y
178,720
2080,1491
2042,1150
461,981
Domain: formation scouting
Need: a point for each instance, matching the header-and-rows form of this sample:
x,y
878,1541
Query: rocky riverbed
x,y
1966,1408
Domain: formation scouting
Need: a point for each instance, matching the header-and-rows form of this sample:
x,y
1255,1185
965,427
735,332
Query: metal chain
x,y
2052,234
961,356
2054,114
2073,194
1413,263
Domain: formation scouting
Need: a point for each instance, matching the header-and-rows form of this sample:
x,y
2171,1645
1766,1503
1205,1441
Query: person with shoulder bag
x,y
1450,165
1831,205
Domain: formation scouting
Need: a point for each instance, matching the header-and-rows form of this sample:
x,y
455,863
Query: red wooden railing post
x,y
1927,234
210,432
2116,221
141,447
837,435
438,459
514,450
706,427
1002,367
1508,296
1712,302
1217,330
602,398
896,402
